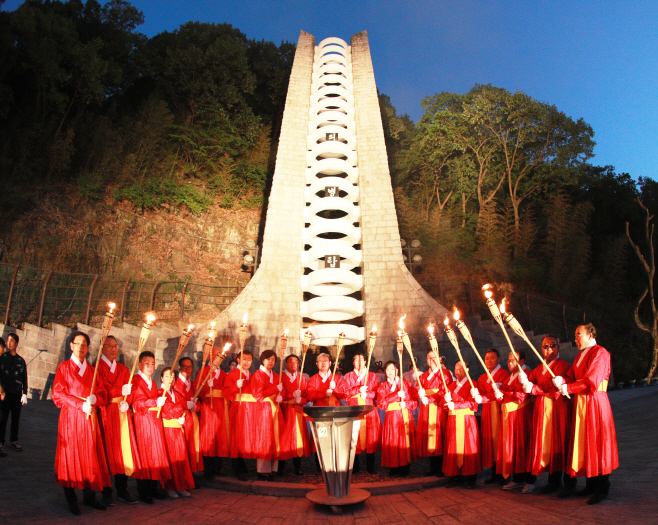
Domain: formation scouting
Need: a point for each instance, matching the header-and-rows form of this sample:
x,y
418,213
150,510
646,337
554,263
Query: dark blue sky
x,y
592,59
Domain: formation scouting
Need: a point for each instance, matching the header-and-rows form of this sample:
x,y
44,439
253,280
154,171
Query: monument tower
x,y
331,256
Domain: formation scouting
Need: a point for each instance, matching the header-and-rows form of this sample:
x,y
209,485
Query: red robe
x,y
432,418
461,450
316,392
491,416
174,433
399,432
551,420
215,424
149,430
515,443
192,425
118,429
294,434
267,414
369,437
593,448
242,412
80,459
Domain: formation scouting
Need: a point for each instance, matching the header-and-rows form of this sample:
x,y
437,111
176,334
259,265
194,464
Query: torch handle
x,y
407,345
106,330
301,372
438,360
335,367
372,347
181,347
401,385
461,359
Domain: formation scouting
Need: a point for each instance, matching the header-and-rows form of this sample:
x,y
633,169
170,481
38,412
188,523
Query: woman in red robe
x,y
185,389
149,430
80,459
399,433
461,451
173,420
432,418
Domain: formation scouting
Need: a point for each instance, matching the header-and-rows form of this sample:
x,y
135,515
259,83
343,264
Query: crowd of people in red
x,y
530,423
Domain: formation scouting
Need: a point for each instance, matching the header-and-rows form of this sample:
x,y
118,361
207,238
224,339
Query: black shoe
x,y
585,492
567,492
265,477
72,501
126,497
549,489
146,499
597,498
107,499
94,504
73,507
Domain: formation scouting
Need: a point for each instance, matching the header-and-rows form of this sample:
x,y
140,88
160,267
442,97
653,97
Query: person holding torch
x,y
192,426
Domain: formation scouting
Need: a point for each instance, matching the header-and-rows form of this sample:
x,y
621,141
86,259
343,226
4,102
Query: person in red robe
x,y
353,389
243,413
294,440
149,430
551,419
117,424
399,432
515,444
430,430
80,461
593,447
173,421
461,452
215,424
320,391
184,388
491,414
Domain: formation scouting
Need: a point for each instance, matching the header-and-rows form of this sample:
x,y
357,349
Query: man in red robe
x,y
461,454
514,446
215,425
185,389
118,431
320,391
432,418
551,419
593,447
294,439
354,390
80,459
149,430
491,416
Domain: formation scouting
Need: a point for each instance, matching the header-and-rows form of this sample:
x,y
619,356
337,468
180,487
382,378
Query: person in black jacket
x,y
13,378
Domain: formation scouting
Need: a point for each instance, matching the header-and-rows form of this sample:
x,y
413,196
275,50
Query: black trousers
x,y
524,477
120,482
561,477
11,405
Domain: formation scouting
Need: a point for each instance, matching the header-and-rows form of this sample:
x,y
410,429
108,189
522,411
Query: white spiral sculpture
x,y
332,163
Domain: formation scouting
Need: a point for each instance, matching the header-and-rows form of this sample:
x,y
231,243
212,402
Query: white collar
x,y
268,373
148,380
171,394
326,376
550,365
82,366
393,384
493,372
186,382
291,376
360,377
245,373
111,364
433,372
461,383
582,354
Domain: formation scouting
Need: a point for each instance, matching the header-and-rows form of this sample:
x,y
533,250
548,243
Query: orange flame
x,y
112,306
486,287
226,347
244,318
446,321
285,332
190,327
456,314
150,318
401,324
502,306
374,329
431,329
488,294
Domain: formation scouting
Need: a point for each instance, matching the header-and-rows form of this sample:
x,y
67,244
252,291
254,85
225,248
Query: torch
x,y
400,346
467,335
497,316
516,326
282,348
182,343
213,368
143,336
453,339
371,347
435,349
407,345
107,325
339,349
207,349
243,339
307,341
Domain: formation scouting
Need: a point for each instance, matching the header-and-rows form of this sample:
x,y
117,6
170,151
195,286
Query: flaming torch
x,y
435,349
407,345
339,349
207,350
453,339
143,337
282,348
400,347
305,344
182,343
107,325
371,346
213,368
467,335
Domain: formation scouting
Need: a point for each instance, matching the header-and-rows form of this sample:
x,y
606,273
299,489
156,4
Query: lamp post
x,y
410,254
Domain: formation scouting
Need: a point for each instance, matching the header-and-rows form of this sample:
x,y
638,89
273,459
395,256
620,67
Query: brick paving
x,y
29,494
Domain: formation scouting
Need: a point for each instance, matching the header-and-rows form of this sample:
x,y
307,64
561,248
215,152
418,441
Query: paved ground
x,y
28,493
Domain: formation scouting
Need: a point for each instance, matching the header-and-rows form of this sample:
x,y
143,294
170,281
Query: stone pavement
x,y
29,494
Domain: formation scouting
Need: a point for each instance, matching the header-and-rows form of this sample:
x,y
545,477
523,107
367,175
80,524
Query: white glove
x,y
181,420
403,404
522,376
527,387
161,402
563,389
190,405
451,405
240,382
332,384
126,389
421,392
86,408
363,390
123,406
478,399
424,400
401,394
24,400
329,392
91,399
499,395
279,387
297,393
210,383
475,392
447,397
279,398
298,400
557,381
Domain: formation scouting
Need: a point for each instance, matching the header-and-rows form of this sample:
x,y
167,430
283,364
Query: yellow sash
x,y
547,431
495,425
245,397
172,423
363,428
508,408
580,425
432,420
126,451
275,420
405,417
460,430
